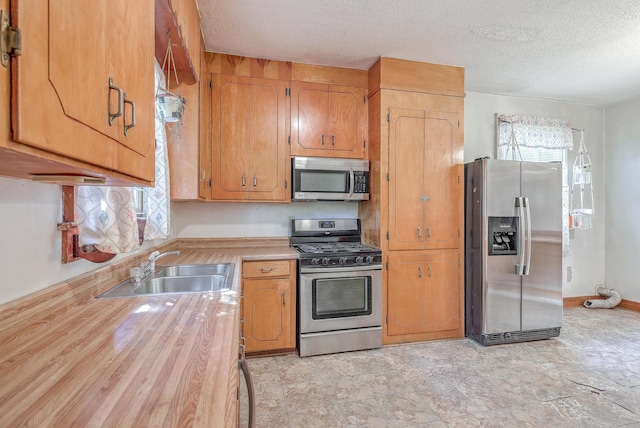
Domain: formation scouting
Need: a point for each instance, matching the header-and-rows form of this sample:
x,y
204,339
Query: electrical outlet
x,y
569,274
572,234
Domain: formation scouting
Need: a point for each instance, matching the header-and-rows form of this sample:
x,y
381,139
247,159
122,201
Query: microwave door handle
x,y
352,183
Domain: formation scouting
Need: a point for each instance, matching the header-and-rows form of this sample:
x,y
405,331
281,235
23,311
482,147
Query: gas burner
x,y
332,243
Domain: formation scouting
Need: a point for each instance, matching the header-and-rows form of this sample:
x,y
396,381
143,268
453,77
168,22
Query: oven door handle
x,y
322,270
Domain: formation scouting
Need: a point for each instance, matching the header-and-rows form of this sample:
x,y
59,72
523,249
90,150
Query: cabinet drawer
x,y
261,269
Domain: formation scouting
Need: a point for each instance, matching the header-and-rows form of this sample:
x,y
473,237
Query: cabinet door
x,y
327,120
267,314
406,178
423,293
343,121
440,182
61,96
268,140
311,119
248,148
230,148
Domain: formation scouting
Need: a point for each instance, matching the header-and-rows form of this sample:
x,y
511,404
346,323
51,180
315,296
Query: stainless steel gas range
x,y
339,287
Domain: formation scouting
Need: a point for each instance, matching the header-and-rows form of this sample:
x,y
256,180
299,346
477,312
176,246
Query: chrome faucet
x,y
150,267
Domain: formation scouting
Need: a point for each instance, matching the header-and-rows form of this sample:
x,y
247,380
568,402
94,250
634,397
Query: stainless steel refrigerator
x,y
513,250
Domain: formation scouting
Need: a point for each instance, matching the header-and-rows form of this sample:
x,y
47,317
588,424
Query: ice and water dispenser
x,y
503,236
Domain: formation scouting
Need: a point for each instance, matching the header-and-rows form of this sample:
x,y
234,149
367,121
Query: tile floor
x,y
588,377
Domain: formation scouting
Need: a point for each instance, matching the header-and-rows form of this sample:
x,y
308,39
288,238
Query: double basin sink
x,y
177,279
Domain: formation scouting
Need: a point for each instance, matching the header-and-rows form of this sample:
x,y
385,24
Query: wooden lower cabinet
x,y
424,299
269,305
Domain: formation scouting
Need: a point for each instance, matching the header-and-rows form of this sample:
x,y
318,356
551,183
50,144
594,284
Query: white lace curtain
x,y
106,216
534,138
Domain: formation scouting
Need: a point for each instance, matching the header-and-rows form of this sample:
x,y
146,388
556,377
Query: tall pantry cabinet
x,y
414,214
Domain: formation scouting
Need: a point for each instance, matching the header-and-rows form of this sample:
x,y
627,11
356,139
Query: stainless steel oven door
x,y
340,298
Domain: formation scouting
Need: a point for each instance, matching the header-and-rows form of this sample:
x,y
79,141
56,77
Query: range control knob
x,y
343,260
315,261
359,260
369,259
325,261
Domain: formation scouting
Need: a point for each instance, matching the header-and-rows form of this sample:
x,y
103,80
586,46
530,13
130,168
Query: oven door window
x,y
341,297
322,181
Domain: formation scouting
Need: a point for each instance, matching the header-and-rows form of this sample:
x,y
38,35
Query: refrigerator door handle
x,y
527,265
520,265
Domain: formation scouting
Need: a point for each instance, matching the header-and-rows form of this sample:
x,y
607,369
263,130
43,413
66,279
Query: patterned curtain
x,y
532,138
106,218
533,131
158,212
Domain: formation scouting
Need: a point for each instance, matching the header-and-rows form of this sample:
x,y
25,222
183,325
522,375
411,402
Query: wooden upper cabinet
x,y
423,295
249,139
327,120
62,102
423,185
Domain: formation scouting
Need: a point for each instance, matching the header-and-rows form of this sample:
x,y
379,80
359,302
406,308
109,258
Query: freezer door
x,y
502,286
542,287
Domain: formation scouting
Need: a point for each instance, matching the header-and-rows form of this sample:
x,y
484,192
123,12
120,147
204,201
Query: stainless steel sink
x,y
177,279
191,270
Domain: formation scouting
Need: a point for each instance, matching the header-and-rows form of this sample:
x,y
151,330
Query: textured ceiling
x,y
585,51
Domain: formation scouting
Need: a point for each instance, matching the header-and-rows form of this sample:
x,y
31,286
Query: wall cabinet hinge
x,y
10,39
364,99
388,117
289,139
387,176
386,321
365,144
287,92
387,235
210,182
386,265
458,179
210,83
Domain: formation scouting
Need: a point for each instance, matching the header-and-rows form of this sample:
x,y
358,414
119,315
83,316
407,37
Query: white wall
x,y
587,258
623,198
232,220
30,248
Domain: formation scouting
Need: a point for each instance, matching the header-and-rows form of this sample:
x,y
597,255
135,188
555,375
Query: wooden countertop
x,y
68,359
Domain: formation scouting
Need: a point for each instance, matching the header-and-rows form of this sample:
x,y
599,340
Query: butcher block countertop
x,y
69,359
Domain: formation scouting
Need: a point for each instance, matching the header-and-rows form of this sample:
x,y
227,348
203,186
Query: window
x,y
538,139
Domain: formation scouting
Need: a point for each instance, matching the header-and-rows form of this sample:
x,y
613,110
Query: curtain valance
x,y
534,131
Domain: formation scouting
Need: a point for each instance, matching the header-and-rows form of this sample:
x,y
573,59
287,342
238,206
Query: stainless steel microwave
x,y
329,179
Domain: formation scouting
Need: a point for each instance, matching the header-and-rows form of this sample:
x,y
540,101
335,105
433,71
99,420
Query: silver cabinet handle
x,y
284,298
127,127
113,116
255,181
242,365
429,270
244,181
428,232
419,232
266,270
323,139
419,271
333,140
